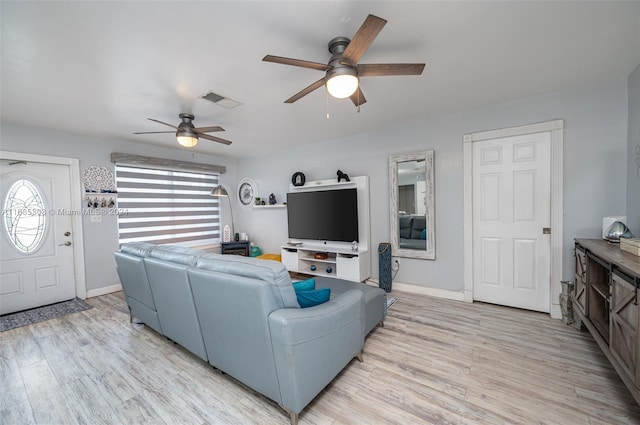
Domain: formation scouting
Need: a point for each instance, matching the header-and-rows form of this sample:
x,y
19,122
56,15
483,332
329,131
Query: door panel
x,y
511,206
35,271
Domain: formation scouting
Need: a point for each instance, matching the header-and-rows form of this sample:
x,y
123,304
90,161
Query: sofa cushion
x,y
177,254
404,222
418,224
269,271
304,285
313,297
139,249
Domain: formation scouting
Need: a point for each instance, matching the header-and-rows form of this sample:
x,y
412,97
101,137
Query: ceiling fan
x,y
187,134
343,71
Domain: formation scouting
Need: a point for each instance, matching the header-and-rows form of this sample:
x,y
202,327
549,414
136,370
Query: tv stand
x,y
340,263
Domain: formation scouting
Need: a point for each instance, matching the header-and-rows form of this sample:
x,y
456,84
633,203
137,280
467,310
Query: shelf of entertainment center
x,y
341,263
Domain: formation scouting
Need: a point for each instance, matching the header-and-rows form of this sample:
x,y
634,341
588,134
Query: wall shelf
x,y
321,184
269,206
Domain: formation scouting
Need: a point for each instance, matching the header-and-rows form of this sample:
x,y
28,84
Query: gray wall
x,y
594,186
633,154
596,138
100,239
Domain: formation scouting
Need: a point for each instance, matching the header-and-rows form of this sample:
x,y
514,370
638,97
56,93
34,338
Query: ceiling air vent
x,y
225,102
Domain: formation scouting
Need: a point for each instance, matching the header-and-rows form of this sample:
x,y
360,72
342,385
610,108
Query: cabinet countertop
x,y
612,253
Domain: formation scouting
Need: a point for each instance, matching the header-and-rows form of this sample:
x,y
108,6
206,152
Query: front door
x,y
37,261
511,221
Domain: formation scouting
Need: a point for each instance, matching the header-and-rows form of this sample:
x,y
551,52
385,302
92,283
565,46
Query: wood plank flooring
x,y
434,362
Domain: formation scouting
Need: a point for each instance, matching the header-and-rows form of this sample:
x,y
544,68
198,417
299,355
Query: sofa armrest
x,y
312,345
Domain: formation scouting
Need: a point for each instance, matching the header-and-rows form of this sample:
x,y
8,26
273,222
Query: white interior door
x,y
511,207
36,252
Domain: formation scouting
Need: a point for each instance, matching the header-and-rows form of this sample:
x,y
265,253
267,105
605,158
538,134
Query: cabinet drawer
x,y
290,259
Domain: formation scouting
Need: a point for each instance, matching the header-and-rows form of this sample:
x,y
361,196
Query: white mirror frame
x,y
430,252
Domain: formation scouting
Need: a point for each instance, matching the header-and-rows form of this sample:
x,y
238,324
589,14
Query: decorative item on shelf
x,y
226,233
237,237
255,251
312,268
616,231
258,200
320,256
630,245
342,176
329,269
608,221
272,199
262,202
244,237
298,178
354,246
99,180
248,193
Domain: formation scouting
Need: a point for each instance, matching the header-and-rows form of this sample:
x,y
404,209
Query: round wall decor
x,y
247,193
298,179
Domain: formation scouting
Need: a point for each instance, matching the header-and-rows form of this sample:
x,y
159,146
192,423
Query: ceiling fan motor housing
x,y
186,126
337,47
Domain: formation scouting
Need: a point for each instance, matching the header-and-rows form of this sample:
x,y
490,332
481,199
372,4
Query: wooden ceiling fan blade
x,y
384,69
154,132
297,62
361,41
160,122
306,91
358,98
214,139
201,130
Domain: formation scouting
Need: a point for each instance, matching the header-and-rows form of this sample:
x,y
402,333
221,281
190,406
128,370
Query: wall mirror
x,y
412,205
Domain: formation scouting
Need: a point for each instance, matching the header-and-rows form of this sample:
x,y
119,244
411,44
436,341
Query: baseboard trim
x,y
424,290
104,290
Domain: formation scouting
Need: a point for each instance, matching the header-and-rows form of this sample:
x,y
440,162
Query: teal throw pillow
x,y
304,285
423,235
312,298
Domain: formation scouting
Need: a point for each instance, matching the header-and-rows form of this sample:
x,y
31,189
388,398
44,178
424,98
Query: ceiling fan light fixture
x,y
187,139
342,82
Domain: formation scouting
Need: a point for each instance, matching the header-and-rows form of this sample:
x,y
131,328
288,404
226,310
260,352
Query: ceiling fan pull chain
x,y
327,102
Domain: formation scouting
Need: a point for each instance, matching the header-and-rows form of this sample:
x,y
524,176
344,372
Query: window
x,y
24,216
164,206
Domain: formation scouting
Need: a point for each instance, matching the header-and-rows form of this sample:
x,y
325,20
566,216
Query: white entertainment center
x,y
342,261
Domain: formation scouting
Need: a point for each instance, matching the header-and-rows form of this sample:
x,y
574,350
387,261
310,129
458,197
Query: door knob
x,y
67,233
67,243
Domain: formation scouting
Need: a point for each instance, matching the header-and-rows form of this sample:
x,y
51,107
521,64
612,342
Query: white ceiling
x,y
102,68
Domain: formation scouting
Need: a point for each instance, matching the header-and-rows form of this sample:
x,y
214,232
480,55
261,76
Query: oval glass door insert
x,y
24,216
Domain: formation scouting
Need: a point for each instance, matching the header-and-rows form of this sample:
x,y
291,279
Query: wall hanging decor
x,y
99,187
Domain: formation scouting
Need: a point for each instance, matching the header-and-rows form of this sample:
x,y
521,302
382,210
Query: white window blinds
x,y
164,206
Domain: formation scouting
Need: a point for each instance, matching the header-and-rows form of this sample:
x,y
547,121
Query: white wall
x,y
595,145
100,239
633,154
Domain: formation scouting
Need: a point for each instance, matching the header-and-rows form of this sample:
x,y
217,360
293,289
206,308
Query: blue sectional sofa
x,y
241,315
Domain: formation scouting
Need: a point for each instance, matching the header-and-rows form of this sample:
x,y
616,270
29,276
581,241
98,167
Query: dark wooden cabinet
x,y
606,297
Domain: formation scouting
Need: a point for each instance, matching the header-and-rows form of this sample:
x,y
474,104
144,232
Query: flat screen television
x,y
326,215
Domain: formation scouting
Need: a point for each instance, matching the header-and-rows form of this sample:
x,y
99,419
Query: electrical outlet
x,y
396,260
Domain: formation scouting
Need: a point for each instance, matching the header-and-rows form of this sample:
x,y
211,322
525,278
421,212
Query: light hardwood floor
x,y
434,362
